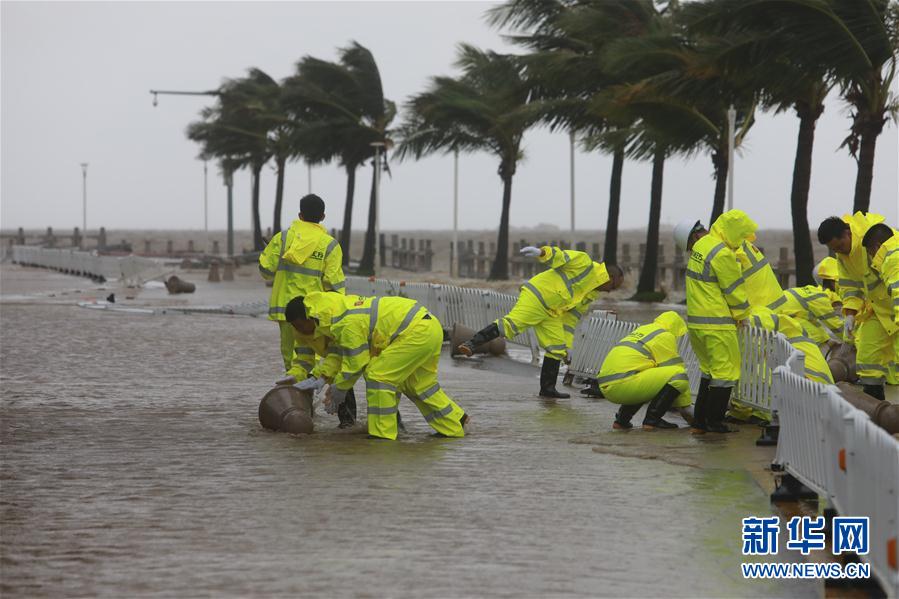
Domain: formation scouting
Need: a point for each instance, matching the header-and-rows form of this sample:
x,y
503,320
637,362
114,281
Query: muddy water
x,y
133,464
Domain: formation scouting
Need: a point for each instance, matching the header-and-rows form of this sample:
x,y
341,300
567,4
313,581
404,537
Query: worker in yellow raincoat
x,y
813,309
645,367
395,342
551,303
867,308
882,245
716,304
816,368
300,260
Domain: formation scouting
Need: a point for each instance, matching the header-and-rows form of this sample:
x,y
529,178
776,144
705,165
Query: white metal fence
x,y
131,270
834,448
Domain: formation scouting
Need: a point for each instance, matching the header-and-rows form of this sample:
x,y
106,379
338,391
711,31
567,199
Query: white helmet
x,y
682,232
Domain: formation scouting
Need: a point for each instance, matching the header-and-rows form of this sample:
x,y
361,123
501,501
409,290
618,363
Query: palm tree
x,y
489,107
343,111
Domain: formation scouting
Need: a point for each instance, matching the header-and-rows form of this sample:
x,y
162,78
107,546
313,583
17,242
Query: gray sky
x,y
75,78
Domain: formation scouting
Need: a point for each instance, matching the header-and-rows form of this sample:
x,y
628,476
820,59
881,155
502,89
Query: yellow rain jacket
x,y
307,350
829,269
860,287
716,295
886,265
816,368
359,328
643,362
813,307
571,276
309,260
737,230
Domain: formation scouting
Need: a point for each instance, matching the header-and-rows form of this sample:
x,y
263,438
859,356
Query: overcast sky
x,y
75,78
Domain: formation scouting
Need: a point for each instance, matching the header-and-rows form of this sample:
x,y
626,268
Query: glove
x,y
334,399
849,326
313,384
530,251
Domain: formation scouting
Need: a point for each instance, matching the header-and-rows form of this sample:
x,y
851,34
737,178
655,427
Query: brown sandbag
x,y
287,409
882,413
842,363
462,333
176,285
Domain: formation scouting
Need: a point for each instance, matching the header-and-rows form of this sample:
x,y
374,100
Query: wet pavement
x,y
133,464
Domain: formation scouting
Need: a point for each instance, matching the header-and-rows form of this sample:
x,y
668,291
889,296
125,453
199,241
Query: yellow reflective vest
x,y
649,346
358,328
308,260
571,277
860,287
814,305
716,297
886,265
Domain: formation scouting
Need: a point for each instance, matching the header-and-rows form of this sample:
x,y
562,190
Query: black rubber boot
x,y
592,389
549,373
719,397
875,391
485,335
624,415
346,412
700,410
660,404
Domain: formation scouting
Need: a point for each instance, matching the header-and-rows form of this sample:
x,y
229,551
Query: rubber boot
x,y
592,389
875,391
700,410
660,404
717,408
624,415
549,373
485,335
346,412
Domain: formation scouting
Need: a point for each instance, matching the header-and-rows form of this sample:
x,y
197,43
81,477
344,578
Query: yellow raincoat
x,y
812,307
737,230
310,260
886,265
396,343
643,362
816,368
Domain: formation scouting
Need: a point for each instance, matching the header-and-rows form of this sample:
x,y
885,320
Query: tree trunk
x,y
647,283
610,250
500,269
258,241
865,167
721,166
348,213
802,175
281,163
367,264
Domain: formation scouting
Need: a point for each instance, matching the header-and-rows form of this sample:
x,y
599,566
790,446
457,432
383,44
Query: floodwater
x,y
133,464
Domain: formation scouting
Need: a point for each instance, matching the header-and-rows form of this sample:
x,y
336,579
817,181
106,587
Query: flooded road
x,y
133,464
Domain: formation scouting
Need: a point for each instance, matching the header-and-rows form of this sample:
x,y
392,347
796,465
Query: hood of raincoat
x,y
304,239
734,227
672,322
828,269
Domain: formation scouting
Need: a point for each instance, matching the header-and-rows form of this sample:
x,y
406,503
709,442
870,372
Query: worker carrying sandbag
x,y
716,303
551,303
645,367
394,341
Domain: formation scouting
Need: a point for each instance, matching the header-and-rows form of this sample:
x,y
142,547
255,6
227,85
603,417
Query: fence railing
x,y
834,448
131,270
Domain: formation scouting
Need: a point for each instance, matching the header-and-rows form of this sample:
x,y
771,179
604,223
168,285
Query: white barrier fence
x,y
131,270
834,448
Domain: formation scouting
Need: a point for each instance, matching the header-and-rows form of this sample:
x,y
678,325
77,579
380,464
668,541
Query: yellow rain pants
x,y
718,352
409,366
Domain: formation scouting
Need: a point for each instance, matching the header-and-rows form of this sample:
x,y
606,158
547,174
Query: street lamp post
x,y
454,265
83,201
572,190
731,125
205,206
309,176
378,146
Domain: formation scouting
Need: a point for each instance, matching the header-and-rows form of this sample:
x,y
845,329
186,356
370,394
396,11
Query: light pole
x,y
572,189
731,124
309,175
83,200
378,146
205,206
454,265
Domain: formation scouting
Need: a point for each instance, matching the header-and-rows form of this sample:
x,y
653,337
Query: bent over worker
x,y
816,368
866,302
716,303
300,260
395,342
882,245
645,366
737,230
551,303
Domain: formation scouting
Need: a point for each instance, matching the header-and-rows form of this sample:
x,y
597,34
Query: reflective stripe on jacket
x,y
310,260
762,286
